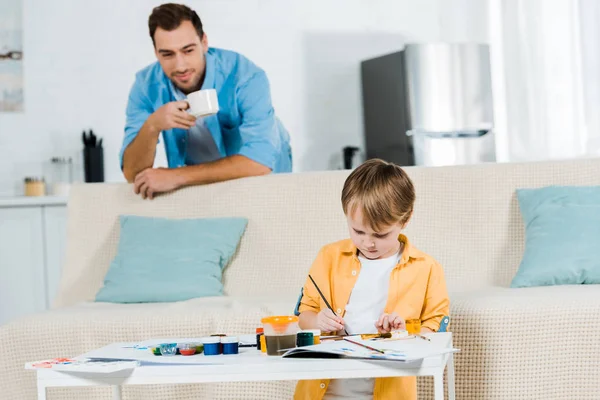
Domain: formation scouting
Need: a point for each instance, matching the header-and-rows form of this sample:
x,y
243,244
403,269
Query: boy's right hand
x,y
327,321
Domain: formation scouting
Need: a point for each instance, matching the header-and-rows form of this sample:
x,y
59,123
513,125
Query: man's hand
x,y
172,115
152,181
390,322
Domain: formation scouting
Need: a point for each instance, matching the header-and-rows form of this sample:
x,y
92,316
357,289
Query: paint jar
x,y
304,338
230,344
220,345
413,326
280,333
263,343
316,335
187,349
155,350
259,332
168,349
212,345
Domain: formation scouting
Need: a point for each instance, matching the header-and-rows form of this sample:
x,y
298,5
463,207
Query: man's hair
x,y
169,16
382,190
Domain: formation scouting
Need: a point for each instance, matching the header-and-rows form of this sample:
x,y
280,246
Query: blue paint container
x,y
231,345
212,345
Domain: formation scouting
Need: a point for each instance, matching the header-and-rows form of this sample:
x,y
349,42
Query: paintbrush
x,y
423,337
365,346
363,336
324,299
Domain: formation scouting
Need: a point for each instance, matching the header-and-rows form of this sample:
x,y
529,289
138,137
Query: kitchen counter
x,y
31,201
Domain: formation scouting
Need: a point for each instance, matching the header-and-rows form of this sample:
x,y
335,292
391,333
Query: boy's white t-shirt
x,y
367,303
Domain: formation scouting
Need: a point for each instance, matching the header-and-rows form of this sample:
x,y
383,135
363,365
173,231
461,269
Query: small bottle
x,y
263,343
304,338
212,345
259,333
230,345
316,335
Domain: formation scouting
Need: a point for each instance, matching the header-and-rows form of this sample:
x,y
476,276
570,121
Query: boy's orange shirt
x,y
417,290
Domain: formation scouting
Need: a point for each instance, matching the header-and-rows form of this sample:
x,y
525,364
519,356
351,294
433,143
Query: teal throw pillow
x,y
167,260
562,236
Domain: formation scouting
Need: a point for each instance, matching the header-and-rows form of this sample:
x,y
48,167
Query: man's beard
x,y
192,85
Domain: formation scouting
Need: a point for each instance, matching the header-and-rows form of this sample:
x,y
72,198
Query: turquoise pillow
x,y
166,260
562,236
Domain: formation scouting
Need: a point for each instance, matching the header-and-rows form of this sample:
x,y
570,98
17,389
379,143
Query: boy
x,y
375,281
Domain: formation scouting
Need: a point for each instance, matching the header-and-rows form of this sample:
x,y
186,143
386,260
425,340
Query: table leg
x,y
438,383
116,392
41,389
451,378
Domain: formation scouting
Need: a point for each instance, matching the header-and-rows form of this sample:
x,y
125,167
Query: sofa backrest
x,y
466,217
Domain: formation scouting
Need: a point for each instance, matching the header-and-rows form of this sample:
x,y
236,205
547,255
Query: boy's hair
x,y
384,192
169,16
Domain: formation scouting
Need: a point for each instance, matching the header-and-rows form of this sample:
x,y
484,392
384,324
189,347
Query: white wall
x,y
81,57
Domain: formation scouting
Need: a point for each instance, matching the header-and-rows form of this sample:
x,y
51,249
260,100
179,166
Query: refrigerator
x,y
429,104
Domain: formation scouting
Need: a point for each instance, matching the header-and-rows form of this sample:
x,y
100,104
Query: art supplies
x,y
316,335
168,349
195,346
304,339
280,333
155,348
395,335
259,332
367,336
220,344
423,337
187,349
413,326
263,343
230,345
212,345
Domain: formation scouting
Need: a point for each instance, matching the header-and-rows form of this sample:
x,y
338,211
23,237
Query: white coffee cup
x,y
203,103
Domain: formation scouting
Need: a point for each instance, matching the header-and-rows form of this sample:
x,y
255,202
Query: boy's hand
x,y
390,322
327,321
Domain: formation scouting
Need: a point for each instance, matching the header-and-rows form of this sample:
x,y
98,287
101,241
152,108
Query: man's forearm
x,y
140,153
224,169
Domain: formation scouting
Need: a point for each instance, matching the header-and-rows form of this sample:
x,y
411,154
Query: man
x,y
244,138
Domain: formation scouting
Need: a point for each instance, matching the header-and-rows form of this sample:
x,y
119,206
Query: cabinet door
x,y
55,235
23,281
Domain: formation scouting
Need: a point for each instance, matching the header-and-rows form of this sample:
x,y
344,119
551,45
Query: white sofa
x,y
536,343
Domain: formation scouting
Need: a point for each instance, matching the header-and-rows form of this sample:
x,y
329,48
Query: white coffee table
x,y
250,365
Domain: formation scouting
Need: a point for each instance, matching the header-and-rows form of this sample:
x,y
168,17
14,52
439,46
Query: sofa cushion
x,y
533,343
163,260
562,232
